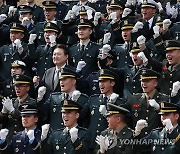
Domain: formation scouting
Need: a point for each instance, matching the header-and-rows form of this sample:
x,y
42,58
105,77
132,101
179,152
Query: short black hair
x,y
64,47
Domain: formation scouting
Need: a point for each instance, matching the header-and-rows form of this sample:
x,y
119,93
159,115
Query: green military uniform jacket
x,y
89,55
140,109
164,142
52,110
8,55
59,142
12,121
98,122
117,146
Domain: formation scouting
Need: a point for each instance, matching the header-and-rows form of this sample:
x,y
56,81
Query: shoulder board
x,y
162,94
95,95
94,43
159,128
84,95
82,128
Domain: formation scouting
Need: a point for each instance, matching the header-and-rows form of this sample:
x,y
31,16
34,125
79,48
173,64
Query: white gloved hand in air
x,y
153,103
3,133
141,40
52,39
74,134
166,23
156,31
107,37
18,44
137,26
32,37
103,142
168,124
3,17
126,12
81,64
113,97
7,103
143,57
89,14
75,95
140,125
102,110
45,129
41,93
25,21
175,88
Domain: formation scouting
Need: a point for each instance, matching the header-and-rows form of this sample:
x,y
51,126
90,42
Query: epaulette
x,y
95,95
158,128
84,95
82,128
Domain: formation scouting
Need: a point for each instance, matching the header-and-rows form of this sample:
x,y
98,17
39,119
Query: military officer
x,y
52,107
38,12
43,54
72,139
17,67
98,103
169,134
28,140
50,12
86,50
115,133
10,114
18,50
146,105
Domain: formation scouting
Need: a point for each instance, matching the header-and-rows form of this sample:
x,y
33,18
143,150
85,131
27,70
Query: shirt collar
x,y
150,22
85,44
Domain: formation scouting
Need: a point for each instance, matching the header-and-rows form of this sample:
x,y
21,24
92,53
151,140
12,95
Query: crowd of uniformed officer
x,y
90,77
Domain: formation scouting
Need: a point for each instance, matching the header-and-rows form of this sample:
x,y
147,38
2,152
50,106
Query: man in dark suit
x,y
27,141
51,76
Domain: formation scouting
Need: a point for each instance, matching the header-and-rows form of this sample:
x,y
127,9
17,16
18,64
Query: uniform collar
x,y
85,44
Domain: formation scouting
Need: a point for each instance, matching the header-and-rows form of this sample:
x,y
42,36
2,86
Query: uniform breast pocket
x,y
94,109
90,58
6,56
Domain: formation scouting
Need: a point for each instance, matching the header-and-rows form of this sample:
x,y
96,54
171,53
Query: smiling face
x,y
106,86
137,61
67,84
84,33
70,118
148,85
21,90
148,12
173,57
126,35
59,57
29,121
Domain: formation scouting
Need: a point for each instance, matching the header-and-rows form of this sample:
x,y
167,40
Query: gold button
x,y
162,148
147,118
171,74
146,133
147,110
99,125
64,147
99,118
97,131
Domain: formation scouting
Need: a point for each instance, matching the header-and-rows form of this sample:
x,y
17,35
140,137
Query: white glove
x,y
4,110
52,39
166,23
113,97
174,12
3,133
126,12
107,37
81,64
142,56
141,40
130,2
32,37
3,17
113,17
168,8
70,15
89,14
97,16
7,103
153,103
74,134
41,92
45,129
160,8
102,110
18,44
25,21
140,125
156,31
11,11
138,25
75,95
105,49
76,9
175,88
168,124
30,134
103,142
